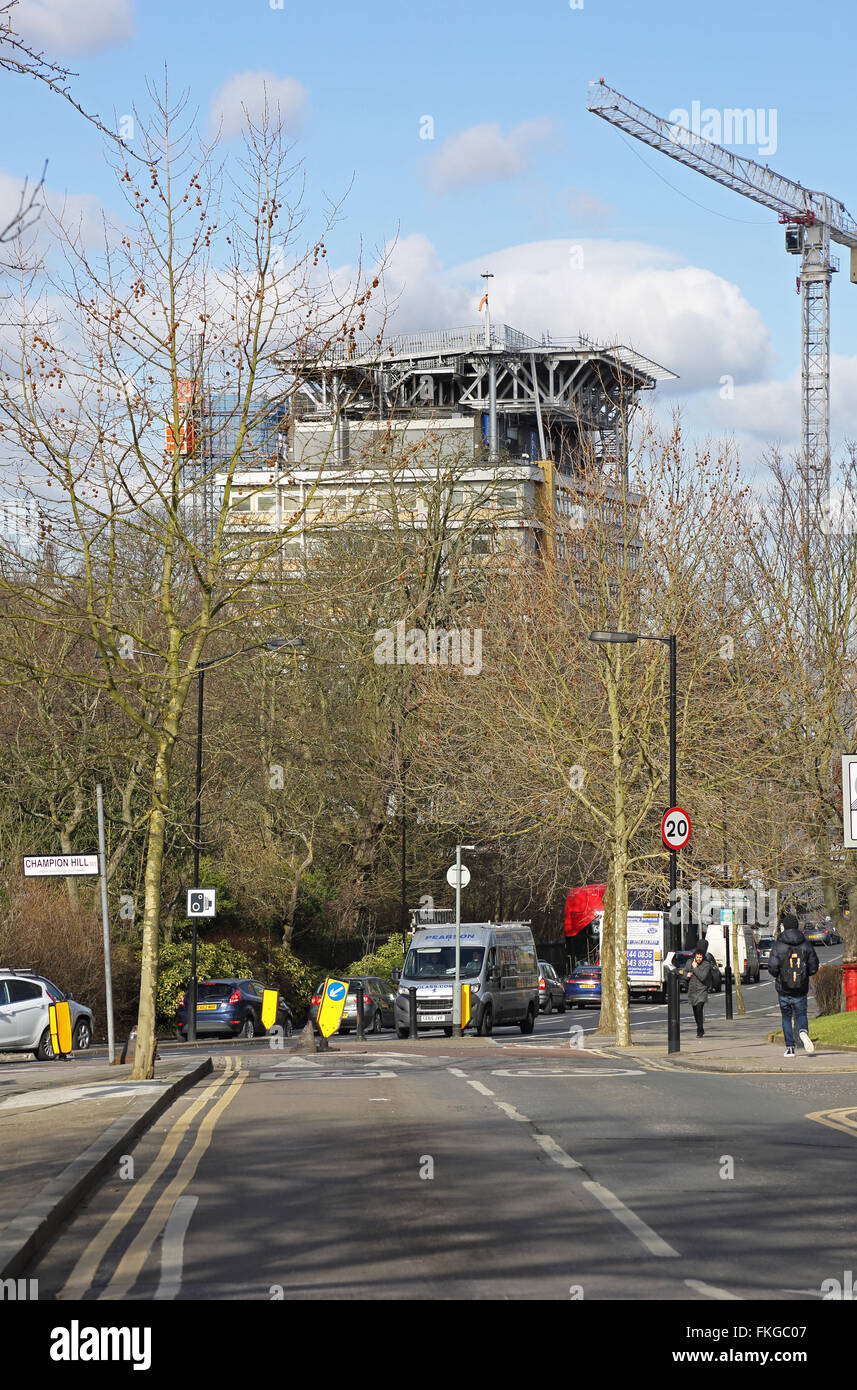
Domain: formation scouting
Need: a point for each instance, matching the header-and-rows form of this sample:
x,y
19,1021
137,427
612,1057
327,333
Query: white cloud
x,y
74,26
251,90
80,213
483,154
684,317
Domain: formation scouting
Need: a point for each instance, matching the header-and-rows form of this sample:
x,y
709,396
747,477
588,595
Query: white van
x,y
498,964
748,963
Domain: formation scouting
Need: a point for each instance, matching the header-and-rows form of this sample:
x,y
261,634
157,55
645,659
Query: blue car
x,y
231,1008
583,987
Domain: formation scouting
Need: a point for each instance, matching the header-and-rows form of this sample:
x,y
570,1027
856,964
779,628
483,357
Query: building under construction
x,y
516,419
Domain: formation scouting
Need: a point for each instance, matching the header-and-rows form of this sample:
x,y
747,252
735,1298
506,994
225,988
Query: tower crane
x,y
812,220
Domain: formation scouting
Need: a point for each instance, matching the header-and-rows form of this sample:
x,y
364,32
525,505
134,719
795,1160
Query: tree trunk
x,y
620,949
144,1055
736,967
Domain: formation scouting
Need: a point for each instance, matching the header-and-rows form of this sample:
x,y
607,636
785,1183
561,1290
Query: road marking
x,y
511,1111
710,1291
483,1090
298,1062
456,1071
84,1271
634,1223
564,1071
328,1076
95,1090
837,1119
129,1267
554,1151
172,1248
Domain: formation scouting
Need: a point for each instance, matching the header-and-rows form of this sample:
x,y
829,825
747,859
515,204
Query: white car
x,y
24,1023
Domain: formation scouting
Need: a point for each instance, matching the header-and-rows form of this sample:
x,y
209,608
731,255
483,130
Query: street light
x,y
675,943
274,645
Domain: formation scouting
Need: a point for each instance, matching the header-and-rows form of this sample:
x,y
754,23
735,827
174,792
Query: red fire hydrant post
x,y
849,979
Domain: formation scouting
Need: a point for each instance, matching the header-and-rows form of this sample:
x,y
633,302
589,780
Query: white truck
x,y
646,953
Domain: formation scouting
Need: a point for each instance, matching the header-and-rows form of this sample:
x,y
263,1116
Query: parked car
x,y
378,1004
551,989
24,1022
231,1009
583,987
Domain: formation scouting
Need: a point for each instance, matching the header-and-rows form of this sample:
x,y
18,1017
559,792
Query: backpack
x,y
793,976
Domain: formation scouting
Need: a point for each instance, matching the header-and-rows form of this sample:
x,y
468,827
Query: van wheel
x,y
486,1022
447,1032
528,1024
403,1032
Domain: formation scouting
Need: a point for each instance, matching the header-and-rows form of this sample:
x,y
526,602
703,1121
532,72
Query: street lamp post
x,y
275,644
674,940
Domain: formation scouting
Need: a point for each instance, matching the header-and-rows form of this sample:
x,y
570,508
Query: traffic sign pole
x,y
673,994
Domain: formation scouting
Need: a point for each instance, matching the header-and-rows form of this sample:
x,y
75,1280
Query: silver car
x,y
24,1023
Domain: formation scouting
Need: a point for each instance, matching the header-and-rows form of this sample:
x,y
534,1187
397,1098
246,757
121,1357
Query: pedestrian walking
x,y
792,963
698,972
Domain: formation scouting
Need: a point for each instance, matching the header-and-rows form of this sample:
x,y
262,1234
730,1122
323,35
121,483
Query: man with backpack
x,y
792,963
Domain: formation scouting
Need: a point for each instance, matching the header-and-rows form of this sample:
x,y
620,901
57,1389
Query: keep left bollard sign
x,y
59,1017
270,1000
331,1006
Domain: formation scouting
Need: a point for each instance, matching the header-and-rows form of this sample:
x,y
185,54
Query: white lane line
x,y
483,1090
553,1150
710,1291
635,1224
172,1247
511,1111
456,1071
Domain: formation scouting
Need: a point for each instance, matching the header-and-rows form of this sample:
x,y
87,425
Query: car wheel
x,y
288,1027
528,1024
82,1036
486,1022
249,1029
377,1022
45,1050
560,1008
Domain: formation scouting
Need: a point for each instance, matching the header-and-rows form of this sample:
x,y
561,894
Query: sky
x,y
459,132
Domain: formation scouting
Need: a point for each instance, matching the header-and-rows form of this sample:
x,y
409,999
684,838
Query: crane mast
x,y
812,220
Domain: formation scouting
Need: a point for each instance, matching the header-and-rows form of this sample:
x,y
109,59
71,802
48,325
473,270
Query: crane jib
x,y
738,172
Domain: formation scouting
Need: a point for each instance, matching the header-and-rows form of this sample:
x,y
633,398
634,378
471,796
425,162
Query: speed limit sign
x,y
675,828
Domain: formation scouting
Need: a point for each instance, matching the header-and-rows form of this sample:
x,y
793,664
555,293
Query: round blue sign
x,y
336,991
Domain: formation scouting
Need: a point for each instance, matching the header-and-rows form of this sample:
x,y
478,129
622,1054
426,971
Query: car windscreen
x,y
438,962
215,989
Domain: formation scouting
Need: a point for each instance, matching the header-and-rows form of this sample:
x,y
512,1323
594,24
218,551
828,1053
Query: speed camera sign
x,y
201,902
675,828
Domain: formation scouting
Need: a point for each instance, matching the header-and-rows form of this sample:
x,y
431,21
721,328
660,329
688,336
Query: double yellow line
x,y
131,1263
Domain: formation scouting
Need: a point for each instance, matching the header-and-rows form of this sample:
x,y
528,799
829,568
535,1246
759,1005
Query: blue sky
x,y
694,275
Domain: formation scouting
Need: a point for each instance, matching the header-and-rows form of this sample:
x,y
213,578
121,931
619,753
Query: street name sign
x,y
66,865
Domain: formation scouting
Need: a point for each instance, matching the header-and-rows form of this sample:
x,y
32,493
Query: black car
x,y
231,1008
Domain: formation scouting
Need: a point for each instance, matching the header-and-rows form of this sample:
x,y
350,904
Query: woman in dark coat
x,y
698,972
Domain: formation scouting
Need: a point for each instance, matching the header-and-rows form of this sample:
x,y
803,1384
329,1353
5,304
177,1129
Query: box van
x,y
748,962
498,964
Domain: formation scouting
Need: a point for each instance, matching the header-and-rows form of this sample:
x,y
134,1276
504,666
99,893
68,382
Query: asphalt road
x,y
491,1173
